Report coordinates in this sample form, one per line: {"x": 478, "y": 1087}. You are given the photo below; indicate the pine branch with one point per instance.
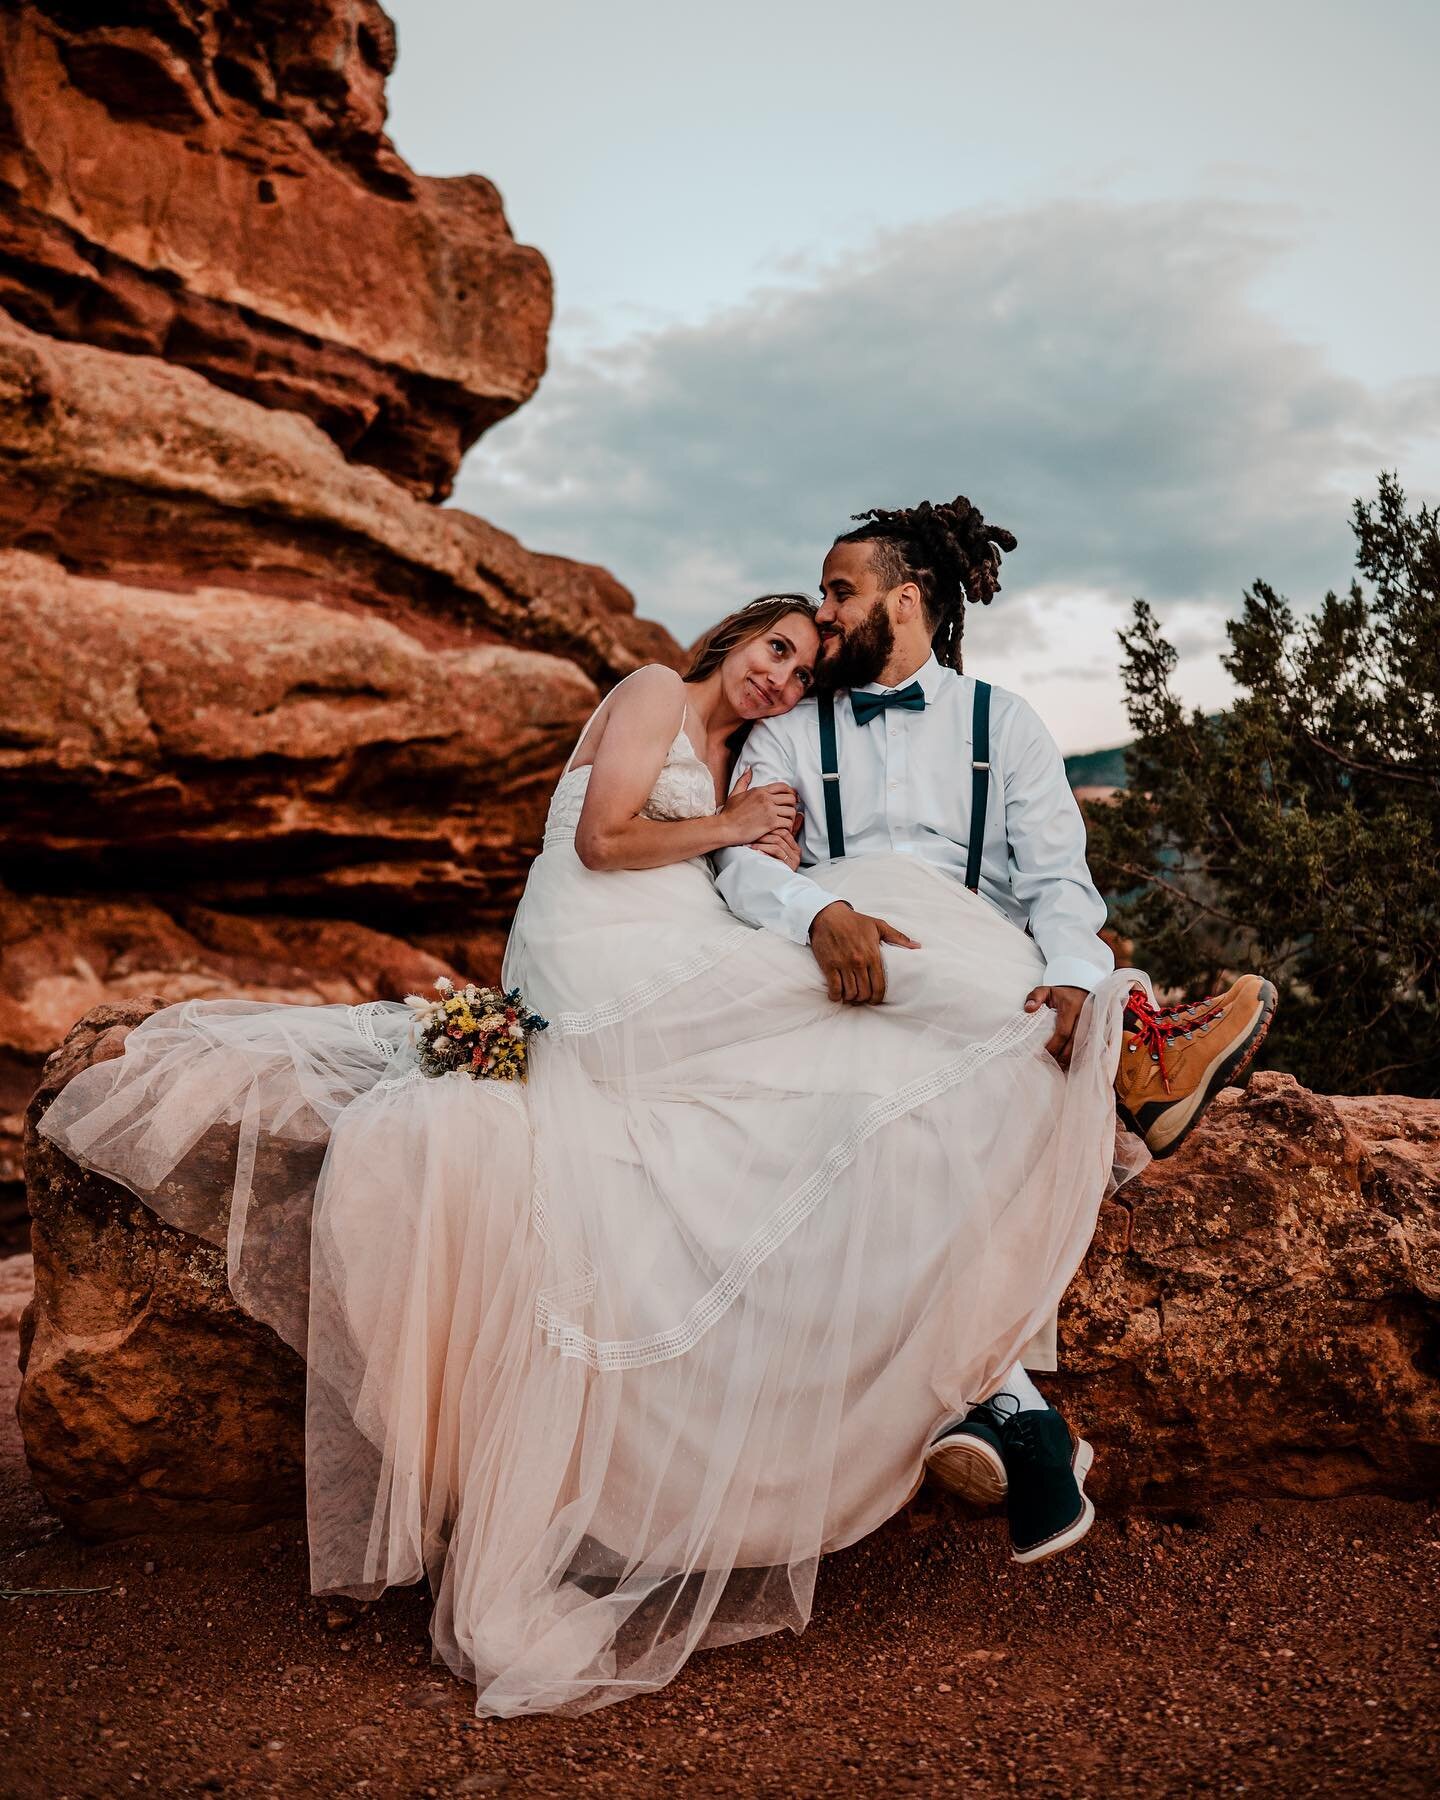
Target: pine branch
{"x": 1390, "y": 771}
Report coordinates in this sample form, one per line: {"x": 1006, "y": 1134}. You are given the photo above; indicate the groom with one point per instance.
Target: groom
{"x": 903, "y": 754}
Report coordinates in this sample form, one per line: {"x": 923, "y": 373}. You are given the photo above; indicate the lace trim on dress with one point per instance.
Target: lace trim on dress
{"x": 578, "y": 1289}
{"x": 362, "y": 1018}
{"x": 398, "y": 1081}
{"x": 663, "y": 1346}
{"x": 623, "y": 1006}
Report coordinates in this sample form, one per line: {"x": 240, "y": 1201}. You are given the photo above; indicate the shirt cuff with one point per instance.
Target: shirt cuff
{"x": 802, "y": 914}
{"x": 1074, "y": 971}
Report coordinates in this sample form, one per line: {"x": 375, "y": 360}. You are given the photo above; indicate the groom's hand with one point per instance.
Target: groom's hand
{"x": 1067, "y": 1002}
{"x": 846, "y": 945}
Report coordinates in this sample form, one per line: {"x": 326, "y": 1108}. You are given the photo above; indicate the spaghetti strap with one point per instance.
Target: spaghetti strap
{"x": 585, "y": 728}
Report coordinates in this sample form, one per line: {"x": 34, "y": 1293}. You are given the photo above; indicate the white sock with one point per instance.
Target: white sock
{"x": 1018, "y": 1383}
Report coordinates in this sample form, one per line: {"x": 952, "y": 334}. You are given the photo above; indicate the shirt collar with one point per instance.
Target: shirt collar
{"x": 930, "y": 676}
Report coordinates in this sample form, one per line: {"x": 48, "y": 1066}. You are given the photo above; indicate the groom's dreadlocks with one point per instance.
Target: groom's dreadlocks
{"x": 948, "y": 551}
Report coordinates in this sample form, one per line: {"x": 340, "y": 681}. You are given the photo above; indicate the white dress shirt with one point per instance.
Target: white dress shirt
{"x": 905, "y": 783}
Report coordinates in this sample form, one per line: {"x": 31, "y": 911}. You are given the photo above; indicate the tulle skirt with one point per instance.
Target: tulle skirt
{"x": 613, "y": 1358}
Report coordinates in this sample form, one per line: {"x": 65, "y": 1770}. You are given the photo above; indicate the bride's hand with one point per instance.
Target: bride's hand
{"x": 782, "y": 846}
{"x": 751, "y": 813}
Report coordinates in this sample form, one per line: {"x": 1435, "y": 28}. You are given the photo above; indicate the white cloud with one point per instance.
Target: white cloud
{"x": 1094, "y": 375}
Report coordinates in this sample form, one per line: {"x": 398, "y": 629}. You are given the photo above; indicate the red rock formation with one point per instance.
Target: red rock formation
{"x": 273, "y": 722}
{"x": 1259, "y": 1317}
{"x": 127, "y": 467}
{"x": 199, "y": 1412}
{"x": 211, "y": 184}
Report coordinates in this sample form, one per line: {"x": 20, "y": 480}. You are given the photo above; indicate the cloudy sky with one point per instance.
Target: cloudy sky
{"x": 1155, "y": 287}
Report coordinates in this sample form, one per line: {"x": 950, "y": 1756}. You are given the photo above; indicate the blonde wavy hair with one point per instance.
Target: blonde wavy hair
{"x": 736, "y": 628}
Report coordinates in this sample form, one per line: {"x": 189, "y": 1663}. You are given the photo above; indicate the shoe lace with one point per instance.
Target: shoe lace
{"x": 1001, "y": 1415}
{"x": 1154, "y": 1026}
{"x": 1020, "y": 1434}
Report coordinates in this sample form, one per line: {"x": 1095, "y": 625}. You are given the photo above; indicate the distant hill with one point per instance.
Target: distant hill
{"x": 1097, "y": 768}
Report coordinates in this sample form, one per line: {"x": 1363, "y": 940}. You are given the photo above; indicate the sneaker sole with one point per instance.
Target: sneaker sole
{"x": 1072, "y": 1534}
{"x": 969, "y": 1467}
{"x": 1176, "y": 1123}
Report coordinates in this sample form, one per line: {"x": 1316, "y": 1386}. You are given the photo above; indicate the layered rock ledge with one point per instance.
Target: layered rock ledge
{"x": 272, "y": 722}
{"x": 1260, "y": 1317}
{"x": 210, "y": 184}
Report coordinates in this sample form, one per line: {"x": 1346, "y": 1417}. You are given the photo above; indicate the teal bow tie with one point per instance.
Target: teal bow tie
{"x": 869, "y": 706}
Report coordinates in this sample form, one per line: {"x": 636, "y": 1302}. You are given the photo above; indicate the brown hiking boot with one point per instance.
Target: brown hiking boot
{"x": 1177, "y": 1058}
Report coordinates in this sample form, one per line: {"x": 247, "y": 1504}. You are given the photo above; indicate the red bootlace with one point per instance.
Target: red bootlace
{"x": 1155, "y": 1026}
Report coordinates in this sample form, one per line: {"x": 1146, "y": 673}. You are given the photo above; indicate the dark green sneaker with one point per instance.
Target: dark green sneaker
{"x": 966, "y": 1455}
{"x": 1045, "y": 1466}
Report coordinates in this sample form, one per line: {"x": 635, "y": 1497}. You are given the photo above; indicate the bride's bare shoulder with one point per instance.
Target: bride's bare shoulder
{"x": 653, "y": 691}
{"x": 656, "y": 678}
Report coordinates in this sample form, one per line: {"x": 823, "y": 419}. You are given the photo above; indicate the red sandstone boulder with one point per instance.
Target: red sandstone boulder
{"x": 149, "y": 1397}
{"x": 274, "y": 721}
{"x": 129, "y": 469}
{"x": 1261, "y": 1314}
{"x": 236, "y": 746}
{"x": 1260, "y": 1317}
{"x": 64, "y": 955}
{"x": 210, "y": 184}
{"x": 240, "y": 673}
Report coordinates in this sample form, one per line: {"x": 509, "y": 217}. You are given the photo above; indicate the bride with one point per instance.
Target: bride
{"x": 613, "y": 1358}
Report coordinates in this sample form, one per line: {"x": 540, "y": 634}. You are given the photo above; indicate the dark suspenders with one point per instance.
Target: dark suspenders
{"x": 979, "y": 783}
{"x": 830, "y": 777}
{"x": 979, "y": 780}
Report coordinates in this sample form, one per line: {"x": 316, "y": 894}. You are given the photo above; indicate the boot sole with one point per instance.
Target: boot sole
{"x": 1176, "y": 1123}
{"x": 1072, "y": 1534}
{"x": 969, "y": 1467}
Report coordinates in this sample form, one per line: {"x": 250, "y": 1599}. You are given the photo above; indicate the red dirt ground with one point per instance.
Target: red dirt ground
{"x": 1260, "y": 1649}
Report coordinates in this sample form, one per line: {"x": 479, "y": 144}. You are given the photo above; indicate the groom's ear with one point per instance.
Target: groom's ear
{"x": 909, "y": 602}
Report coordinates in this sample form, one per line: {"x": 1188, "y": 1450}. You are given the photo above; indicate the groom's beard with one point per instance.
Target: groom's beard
{"x": 863, "y": 653}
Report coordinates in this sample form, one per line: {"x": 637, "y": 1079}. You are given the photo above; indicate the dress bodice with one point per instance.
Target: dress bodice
{"x": 684, "y": 789}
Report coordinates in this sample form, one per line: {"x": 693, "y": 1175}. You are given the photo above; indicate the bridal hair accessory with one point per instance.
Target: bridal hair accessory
{"x": 482, "y": 1032}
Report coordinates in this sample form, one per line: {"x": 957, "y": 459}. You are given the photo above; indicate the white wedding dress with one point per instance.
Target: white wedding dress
{"x": 614, "y": 1357}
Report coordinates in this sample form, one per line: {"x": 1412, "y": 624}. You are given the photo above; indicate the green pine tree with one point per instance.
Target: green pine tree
{"x": 1298, "y": 831}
